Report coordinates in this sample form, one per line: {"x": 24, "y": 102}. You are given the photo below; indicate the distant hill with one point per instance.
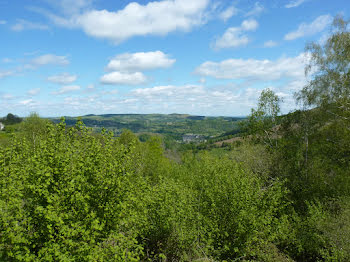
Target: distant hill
{"x": 175, "y": 125}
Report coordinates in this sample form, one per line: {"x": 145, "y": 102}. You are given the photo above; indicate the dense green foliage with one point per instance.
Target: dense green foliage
{"x": 72, "y": 195}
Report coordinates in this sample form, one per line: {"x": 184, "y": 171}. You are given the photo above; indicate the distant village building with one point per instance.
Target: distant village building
{"x": 188, "y": 138}
{"x": 2, "y": 126}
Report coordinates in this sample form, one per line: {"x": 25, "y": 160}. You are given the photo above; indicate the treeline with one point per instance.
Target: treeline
{"x": 10, "y": 119}
{"x": 173, "y": 126}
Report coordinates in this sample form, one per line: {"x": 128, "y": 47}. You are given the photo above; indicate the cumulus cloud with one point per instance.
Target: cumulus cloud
{"x": 228, "y": 13}
{"x": 120, "y": 78}
{"x": 135, "y": 19}
{"x": 235, "y": 36}
{"x": 3, "y": 22}
{"x": 294, "y": 3}
{"x": 27, "y": 25}
{"x": 249, "y": 25}
{"x": 140, "y": 61}
{"x": 270, "y": 43}
{"x": 304, "y": 29}
{"x": 154, "y": 18}
{"x": 63, "y": 79}
{"x": 253, "y": 69}
{"x": 50, "y": 59}
{"x": 127, "y": 69}
{"x": 67, "y": 89}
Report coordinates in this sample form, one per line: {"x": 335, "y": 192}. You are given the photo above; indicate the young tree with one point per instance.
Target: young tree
{"x": 33, "y": 127}
{"x": 262, "y": 120}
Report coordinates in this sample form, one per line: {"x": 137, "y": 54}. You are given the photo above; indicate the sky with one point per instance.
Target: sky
{"x": 199, "y": 57}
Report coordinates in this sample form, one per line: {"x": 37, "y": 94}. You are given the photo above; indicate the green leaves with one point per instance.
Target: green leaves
{"x": 62, "y": 197}
{"x": 328, "y": 68}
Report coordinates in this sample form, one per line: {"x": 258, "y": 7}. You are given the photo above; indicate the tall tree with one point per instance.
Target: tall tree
{"x": 329, "y": 90}
{"x": 315, "y": 150}
{"x": 329, "y": 70}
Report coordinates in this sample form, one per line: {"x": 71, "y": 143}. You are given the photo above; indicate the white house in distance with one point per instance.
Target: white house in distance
{"x": 2, "y": 126}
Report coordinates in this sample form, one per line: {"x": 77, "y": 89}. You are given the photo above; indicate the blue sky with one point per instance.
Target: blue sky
{"x": 202, "y": 57}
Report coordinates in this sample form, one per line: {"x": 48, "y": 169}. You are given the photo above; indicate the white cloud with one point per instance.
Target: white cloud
{"x": 318, "y": 25}
{"x": 140, "y": 61}
{"x": 126, "y": 69}
{"x": 3, "y": 22}
{"x": 26, "y": 102}
{"x": 253, "y": 69}
{"x": 249, "y": 25}
{"x": 228, "y": 13}
{"x": 67, "y": 89}
{"x": 257, "y": 10}
{"x": 294, "y": 3}
{"x": 270, "y": 43}
{"x": 154, "y": 18}
{"x": 64, "y": 20}
{"x": 33, "y": 92}
{"x": 235, "y": 37}
{"x": 50, "y": 59}
{"x": 194, "y": 99}
{"x": 6, "y": 73}
{"x": 27, "y": 25}
{"x": 169, "y": 90}
{"x": 119, "y": 78}
{"x": 63, "y": 79}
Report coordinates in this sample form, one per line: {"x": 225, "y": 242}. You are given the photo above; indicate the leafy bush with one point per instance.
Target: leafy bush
{"x": 67, "y": 198}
